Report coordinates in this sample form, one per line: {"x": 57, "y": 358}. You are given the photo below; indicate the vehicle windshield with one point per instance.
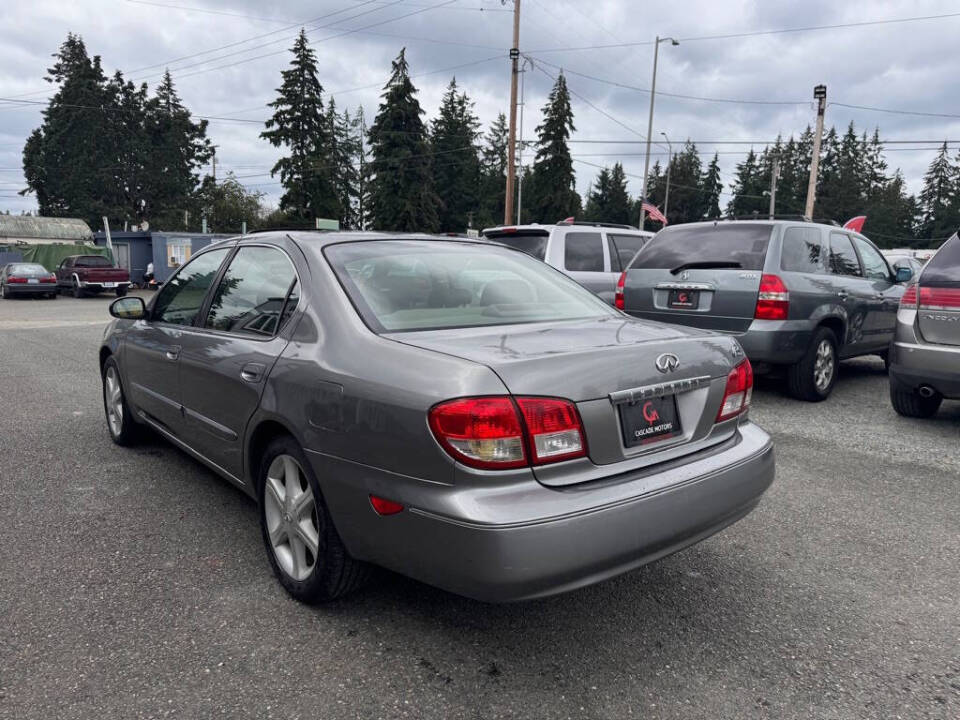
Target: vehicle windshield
{"x": 428, "y": 285}
{"x": 28, "y": 270}
{"x": 716, "y": 246}
{"x": 92, "y": 261}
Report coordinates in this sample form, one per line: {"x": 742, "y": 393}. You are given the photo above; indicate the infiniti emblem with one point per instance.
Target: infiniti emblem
{"x": 668, "y": 362}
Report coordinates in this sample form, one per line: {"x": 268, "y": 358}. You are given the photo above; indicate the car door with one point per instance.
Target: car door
{"x": 881, "y": 321}
{"x": 225, "y": 359}
{"x": 853, "y": 291}
{"x": 152, "y": 346}
{"x": 585, "y": 259}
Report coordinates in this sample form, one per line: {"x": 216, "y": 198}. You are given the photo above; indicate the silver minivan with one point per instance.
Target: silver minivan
{"x": 594, "y": 254}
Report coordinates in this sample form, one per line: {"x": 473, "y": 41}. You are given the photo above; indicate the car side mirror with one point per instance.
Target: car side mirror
{"x": 904, "y": 274}
{"x": 128, "y": 308}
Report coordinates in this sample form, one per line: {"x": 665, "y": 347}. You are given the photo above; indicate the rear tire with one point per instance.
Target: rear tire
{"x": 77, "y": 290}
{"x": 302, "y": 544}
{"x": 121, "y": 291}
{"x": 52, "y": 296}
{"x": 4, "y": 293}
{"x": 911, "y": 404}
{"x": 812, "y": 379}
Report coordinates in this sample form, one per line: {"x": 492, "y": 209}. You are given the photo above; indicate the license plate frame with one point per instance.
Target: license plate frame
{"x": 109, "y": 285}
{"x": 682, "y": 299}
{"x": 650, "y": 421}
{"x": 33, "y": 281}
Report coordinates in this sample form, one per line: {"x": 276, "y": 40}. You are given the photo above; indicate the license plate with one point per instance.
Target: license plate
{"x": 109, "y": 285}
{"x": 650, "y": 420}
{"x": 684, "y": 299}
{"x": 33, "y": 281}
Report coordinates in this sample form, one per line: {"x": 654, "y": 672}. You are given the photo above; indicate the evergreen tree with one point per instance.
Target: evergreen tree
{"x": 686, "y": 202}
{"x": 747, "y": 189}
{"x": 361, "y": 162}
{"x": 618, "y": 200}
{"x": 343, "y": 173}
{"x": 456, "y": 160}
{"x": 553, "y": 193}
{"x": 493, "y": 172}
{"x": 939, "y": 201}
{"x": 127, "y": 189}
{"x": 711, "y": 187}
{"x": 656, "y": 193}
{"x": 227, "y": 205}
{"x": 598, "y": 198}
{"x": 300, "y": 126}
{"x": 401, "y": 191}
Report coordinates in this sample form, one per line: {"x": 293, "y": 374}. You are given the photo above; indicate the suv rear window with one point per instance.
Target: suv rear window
{"x": 532, "y": 243}
{"x": 742, "y": 243}
{"x": 944, "y": 267}
{"x": 803, "y": 250}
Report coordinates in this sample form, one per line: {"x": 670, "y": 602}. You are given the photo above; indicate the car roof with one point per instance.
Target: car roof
{"x": 574, "y": 225}
{"x": 322, "y": 238}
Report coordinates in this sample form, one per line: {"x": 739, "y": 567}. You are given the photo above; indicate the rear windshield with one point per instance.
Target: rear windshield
{"x": 944, "y": 268}
{"x": 28, "y": 270}
{"x": 92, "y": 261}
{"x": 423, "y": 285}
{"x": 673, "y": 247}
{"x": 532, "y": 243}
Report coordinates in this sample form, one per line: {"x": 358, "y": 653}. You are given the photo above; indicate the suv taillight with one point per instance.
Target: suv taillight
{"x": 932, "y": 298}
{"x": 773, "y": 301}
{"x": 909, "y": 298}
{"x": 737, "y": 394}
{"x": 501, "y": 432}
{"x": 618, "y": 295}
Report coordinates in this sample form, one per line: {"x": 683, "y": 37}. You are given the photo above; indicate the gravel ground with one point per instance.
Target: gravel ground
{"x": 133, "y": 583}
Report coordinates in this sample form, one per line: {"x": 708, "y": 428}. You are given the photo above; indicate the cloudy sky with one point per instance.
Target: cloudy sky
{"x": 226, "y": 56}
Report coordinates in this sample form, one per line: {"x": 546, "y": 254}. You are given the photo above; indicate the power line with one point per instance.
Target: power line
{"x": 896, "y": 112}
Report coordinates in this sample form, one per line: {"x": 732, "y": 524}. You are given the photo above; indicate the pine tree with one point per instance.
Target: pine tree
{"x": 618, "y": 202}
{"x": 939, "y": 199}
{"x": 656, "y": 193}
{"x": 598, "y": 198}
{"x": 493, "y": 171}
{"x": 343, "y": 174}
{"x": 456, "y": 165}
{"x": 401, "y": 192}
{"x": 686, "y": 199}
{"x": 747, "y": 189}
{"x": 711, "y": 186}
{"x": 361, "y": 161}
{"x": 553, "y": 193}
{"x": 300, "y": 126}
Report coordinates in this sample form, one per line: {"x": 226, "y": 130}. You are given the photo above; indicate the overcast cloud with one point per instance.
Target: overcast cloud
{"x": 906, "y": 66}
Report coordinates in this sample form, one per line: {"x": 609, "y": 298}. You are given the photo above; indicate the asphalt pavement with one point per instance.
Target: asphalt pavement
{"x": 134, "y": 584}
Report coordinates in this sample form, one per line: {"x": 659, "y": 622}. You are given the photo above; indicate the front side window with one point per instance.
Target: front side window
{"x": 251, "y": 295}
{"x": 803, "y": 250}
{"x": 843, "y": 259}
{"x": 874, "y": 266}
{"x": 180, "y": 299}
{"x": 427, "y": 285}
{"x": 622, "y": 249}
{"x": 583, "y": 252}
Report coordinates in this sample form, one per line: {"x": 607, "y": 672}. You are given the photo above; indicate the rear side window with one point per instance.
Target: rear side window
{"x": 944, "y": 268}
{"x": 531, "y": 243}
{"x": 843, "y": 259}
{"x": 874, "y": 266}
{"x": 673, "y": 247}
{"x": 583, "y": 252}
{"x": 623, "y": 248}
{"x": 251, "y": 295}
{"x": 803, "y": 250}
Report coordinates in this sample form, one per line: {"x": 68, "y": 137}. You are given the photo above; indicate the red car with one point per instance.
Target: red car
{"x": 91, "y": 274}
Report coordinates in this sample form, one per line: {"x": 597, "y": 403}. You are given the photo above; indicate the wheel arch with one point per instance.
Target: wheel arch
{"x": 263, "y": 431}
{"x": 836, "y": 325}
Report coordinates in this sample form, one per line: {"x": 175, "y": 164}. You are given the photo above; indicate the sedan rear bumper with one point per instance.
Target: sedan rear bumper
{"x": 608, "y": 527}
{"x": 28, "y": 289}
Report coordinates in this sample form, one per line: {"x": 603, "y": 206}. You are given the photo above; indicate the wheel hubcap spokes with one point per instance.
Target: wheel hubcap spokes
{"x": 291, "y": 514}
{"x": 824, "y": 366}
{"x": 114, "y": 401}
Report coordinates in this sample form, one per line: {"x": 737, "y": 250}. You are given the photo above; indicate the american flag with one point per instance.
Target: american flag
{"x": 654, "y": 213}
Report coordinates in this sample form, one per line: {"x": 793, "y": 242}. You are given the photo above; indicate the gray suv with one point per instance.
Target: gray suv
{"x": 796, "y": 294}
{"x": 925, "y": 355}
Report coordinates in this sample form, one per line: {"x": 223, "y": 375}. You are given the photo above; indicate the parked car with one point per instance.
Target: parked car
{"x": 450, "y": 409}
{"x": 795, "y": 294}
{"x": 925, "y": 355}
{"x": 27, "y": 279}
{"x": 593, "y": 254}
{"x": 91, "y": 274}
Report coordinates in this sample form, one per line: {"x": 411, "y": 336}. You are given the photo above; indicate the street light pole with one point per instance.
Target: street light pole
{"x": 653, "y": 93}
{"x": 512, "y": 134}
{"x": 666, "y": 199}
{"x": 820, "y": 95}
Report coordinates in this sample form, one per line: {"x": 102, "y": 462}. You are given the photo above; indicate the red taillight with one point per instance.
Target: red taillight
{"x": 17, "y": 280}
{"x": 739, "y": 390}
{"x": 773, "y": 302}
{"x": 49, "y": 279}
{"x": 909, "y": 299}
{"x": 554, "y": 429}
{"x": 488, "y": 433}
{"x": 939, "y": 298}
{"x": 384, "y": 506}
{"x": 618, "y": 295}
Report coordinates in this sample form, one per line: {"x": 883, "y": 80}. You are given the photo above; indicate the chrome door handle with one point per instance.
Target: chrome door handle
{"x": 252, "y": 372}
{"x": 172, "y": 353}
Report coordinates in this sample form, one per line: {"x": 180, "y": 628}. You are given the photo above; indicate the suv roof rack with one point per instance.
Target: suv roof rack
{"x": 591, "y": 223}
{"x": 779, "y": 216}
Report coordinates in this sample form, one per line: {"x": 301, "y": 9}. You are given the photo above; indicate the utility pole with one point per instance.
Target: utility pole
{"x": 774, "y": 176}
{"x": 653, "y": 93}
{"x": 820, "y": 95}
{"x": 214, "y": 158}
{"x": 666, "y": 199}
{"x": 512, "y": 137}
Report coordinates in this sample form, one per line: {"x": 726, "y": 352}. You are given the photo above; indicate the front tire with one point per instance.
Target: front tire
{"x": 911, "y": 404}
{"x": 302, "y": 544}
{"x": 812, "y": 379}
{"x": 4, "y": 293}
{"x": 120, "y": 423}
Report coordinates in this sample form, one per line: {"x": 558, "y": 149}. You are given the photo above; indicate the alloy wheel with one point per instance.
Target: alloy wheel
{"x": 290, "y": 510}
{"x": 113, "y": 396}
{"x": 824, "y": 366}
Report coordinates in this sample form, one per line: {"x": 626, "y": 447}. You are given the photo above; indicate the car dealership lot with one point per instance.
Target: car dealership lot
{"x": 133, "y": 583}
